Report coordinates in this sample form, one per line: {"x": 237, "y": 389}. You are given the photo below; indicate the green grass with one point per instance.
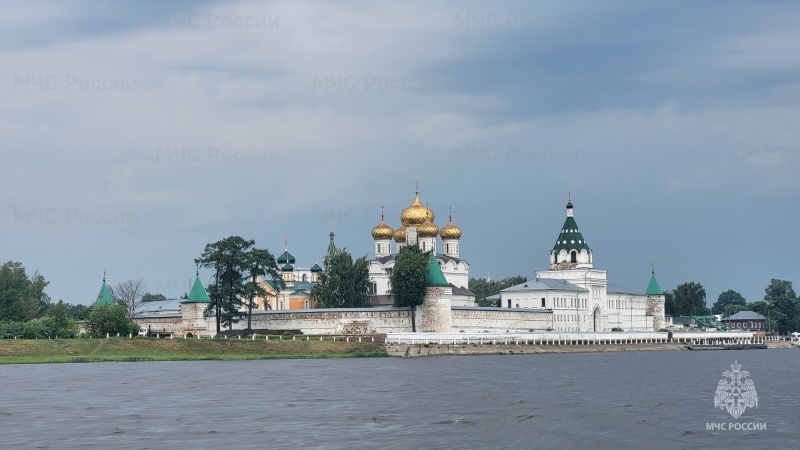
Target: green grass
{"x": 21, "y": 351}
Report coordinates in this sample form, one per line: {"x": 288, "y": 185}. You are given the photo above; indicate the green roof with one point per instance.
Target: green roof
{"x": 198, "y": 293}
{"x": 316, "y": 268}
{"x": 287, "y": 268}
{"x": 653, "y": 288}
{"x": 570, "y": 237}
{"x": 331, "y": 248}
{"x": 435, "y": 276}
{"x": 105, "y": 296}
{"x": 286, "y": 258}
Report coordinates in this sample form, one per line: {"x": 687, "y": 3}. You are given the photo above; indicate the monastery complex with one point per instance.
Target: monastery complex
{"x": 571, "y": 295}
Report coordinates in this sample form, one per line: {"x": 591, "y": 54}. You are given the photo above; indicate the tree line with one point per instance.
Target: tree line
{"x": 780, "y": 304}
{"x": 27, "y": 312}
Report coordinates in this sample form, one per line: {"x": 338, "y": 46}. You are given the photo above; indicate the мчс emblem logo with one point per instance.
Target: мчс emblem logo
{"x": 734, "y": 392}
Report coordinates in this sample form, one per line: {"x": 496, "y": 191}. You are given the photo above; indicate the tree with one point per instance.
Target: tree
{"x": 129, "y": 294}
{"x": 408, "y": 278}
{"x": 62, "y": 325}
{"x": 14, "y": 290}
{"x": 233, "y": 263}
{"x": 148, "y": 297}
{"x": 77, "y": 312}
{"x": 344, "y": 283}
{"x": 38, "y": 301}
{"x": 109, "y": 319}
{"x": 727, "y": 298}
{"x": 261, "y": 263}
{"x": 483, "y": 288}
{"x": 784, "y": 307}
{"x": 689, "y": 299}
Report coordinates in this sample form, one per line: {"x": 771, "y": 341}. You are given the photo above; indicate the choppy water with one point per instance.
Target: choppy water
{"x": 621, "y": 400}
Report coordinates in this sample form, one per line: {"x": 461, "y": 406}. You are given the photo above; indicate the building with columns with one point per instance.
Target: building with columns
{"x": 578, "y": 294}
{"x": 417, "y": 227}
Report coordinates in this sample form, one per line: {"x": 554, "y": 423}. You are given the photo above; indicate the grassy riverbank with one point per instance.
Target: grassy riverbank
{"x": 24, "y": 351}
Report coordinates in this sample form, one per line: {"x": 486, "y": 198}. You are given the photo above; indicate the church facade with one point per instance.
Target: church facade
{"x": 578, "y": 295}
{"x": 417, "y": 227}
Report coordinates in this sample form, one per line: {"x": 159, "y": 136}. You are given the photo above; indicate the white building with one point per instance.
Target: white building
{"x": 578, "y": 295}
{"x": 418, "y": 228}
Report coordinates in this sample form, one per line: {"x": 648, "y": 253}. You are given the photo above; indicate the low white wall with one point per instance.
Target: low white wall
{"x": 334, "y": 321}
{"x": 565, "y": 338}
{"x": 500, "y": 319}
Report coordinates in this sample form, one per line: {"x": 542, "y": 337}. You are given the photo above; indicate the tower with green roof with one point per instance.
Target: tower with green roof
{"x": 655, "y": 301}
{"x": 193, "y": 310}
{"x": 105, "y": 297}
{"x": 570, "y": 250}
{"x": 329, "y": 254}
{"x": 437, "y": 306}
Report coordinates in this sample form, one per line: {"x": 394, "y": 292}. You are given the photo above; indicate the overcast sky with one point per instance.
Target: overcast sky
{"x": 134, "y": 133}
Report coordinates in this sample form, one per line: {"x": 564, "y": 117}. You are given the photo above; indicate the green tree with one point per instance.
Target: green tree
{"x": 784, "y": 308}
{"x": 408, "y": 285}
{"x": 37, "y": 300}
{"x": 483, "y": 289}
{"x": 690, "y": 300}
{"x": 727, "y": 298}
{"x": 77, "y": 312}
{"x": 261, "y": 264}
{"x": 233, "y": 264}
{"x": 111, "y": 319}
{"x": 63, "y": 326}
{"x": 344, "y": 283}
{"x": 733, "y": 309}
{"x": 148, "y": 297}
{"x": 14, "y": 291}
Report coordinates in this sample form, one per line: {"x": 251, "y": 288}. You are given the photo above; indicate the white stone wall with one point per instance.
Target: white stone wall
{"x": 334, "y": 321}
{"x": 472, "y": 320}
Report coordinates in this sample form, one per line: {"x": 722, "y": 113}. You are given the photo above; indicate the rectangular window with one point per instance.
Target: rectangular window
{"x": 542, "y": 302}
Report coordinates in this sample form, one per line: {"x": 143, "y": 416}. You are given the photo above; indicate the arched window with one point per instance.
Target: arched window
{"x": 573, "y": 256}
{"x": 305, "y": 277}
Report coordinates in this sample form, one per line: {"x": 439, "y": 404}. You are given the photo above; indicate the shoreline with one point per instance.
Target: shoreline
{"x": 421, "y": 350}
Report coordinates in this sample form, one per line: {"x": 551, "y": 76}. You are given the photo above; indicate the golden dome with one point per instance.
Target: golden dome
{"x": 400, "y": 234}
{"x": 382, "y": 231}
{"x": 427, "y": 229}
{"x": 450, "y": 231}
{"x": 416, "y": 213}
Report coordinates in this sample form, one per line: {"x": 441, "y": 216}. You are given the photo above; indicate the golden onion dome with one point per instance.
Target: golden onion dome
{"x": 416, "y": 213}
{"x": 450, "y": 231}
{"x": 400, "y": 234}
{"x": 382, "y": 231}
{"x": 427, "y": 229}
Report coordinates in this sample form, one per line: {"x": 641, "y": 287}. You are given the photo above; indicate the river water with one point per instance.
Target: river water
{"x": 658, "y": 399}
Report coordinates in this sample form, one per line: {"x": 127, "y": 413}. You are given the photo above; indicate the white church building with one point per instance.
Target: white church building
{"x": 577, "y": 294}
{"x": 418, "y": 228}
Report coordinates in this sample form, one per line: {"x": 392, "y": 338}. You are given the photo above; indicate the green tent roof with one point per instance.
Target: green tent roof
{"x": 316, "y": 268}
{"x": 198, "y": 293}
{"x": 653, "y": 288}
{"x": 435, "y": 276}
{"x": 105, "y": 296}
{"x": 570, "y": 237}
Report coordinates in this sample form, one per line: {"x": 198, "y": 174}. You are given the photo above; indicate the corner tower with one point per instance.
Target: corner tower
{"x": 570, "y": 250}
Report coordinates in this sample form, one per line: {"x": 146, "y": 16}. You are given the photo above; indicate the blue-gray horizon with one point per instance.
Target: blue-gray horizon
{"x": 134, "y": 134}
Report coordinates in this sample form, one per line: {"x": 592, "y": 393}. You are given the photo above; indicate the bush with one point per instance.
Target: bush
{"x": 616, "y": 329}
{"x": 287, "y": 335}
{"x": 107, "y": 319}
{"x": 10, "y": 329}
